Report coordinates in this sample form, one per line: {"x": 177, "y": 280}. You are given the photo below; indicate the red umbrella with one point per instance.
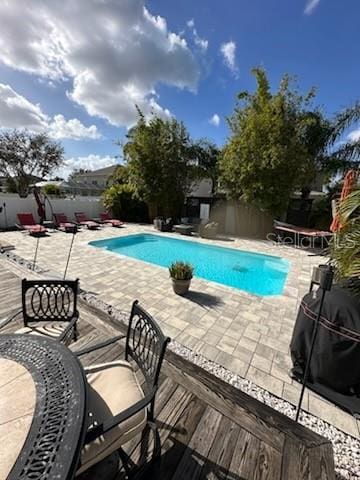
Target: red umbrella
{"x": 349, "y": 184}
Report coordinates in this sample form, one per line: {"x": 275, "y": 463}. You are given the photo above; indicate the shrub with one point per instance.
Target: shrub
{"x": 121, "y": 201}
{"x": 52, "y": 189}
{"x": 181, "y": 271}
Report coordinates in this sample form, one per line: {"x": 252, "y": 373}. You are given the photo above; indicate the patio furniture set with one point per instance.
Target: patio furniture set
{"x": 61, "y": 222}
{"x": 199, "y": 416}
{"x": 188, "y": 226}
{"x": 71, "y": 417}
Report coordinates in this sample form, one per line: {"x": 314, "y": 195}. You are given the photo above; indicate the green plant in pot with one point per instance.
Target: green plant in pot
{"x": 181, "y": 274}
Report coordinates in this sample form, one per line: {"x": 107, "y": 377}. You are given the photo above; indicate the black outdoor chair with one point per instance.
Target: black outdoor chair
{"x": 118, "y": 407}
{"x": 49, "y": 308}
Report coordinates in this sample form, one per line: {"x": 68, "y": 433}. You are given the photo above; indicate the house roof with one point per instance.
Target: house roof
{"x": 106, "y": 171}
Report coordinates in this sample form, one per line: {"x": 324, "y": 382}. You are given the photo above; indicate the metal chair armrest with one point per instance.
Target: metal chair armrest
{"x": 99, "y": 345}
{"x": 111, "y": 423}
{"x": 6, "y": 321}
{"x": 68, "y": 329}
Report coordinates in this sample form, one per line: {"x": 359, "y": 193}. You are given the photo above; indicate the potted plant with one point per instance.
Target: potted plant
{"x": 181, "y": 274}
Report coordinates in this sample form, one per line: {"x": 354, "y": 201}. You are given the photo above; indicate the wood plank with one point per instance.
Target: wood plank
{"x": 268, "y": 466}
{"x": 219, "y": 459}
{"x": 245, "y": 456}
{"x": 176, "y": 443}
{"x": 216, "y": 397}
{"x": 195, "y": 455}
{"x": 267, "y": 420}
{"x": 321, "y": 463}
{"x": 295, "y": 460}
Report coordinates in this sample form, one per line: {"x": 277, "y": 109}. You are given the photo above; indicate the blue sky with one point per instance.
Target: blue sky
{"x": 77, "y": 70}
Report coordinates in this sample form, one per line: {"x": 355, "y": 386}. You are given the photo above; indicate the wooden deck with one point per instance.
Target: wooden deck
{"x": 208, "y": 429}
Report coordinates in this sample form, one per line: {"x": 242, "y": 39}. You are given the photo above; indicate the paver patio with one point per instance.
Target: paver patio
{"x": 248, "y": 334}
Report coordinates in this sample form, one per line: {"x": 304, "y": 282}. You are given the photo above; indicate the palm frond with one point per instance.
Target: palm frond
{"x": 347, "y": 154}
{"x": 350, "y": 206}
{"x": 344, "y": 120}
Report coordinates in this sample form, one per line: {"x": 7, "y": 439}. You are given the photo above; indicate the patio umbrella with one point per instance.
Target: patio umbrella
{"x": 349, "y": 184}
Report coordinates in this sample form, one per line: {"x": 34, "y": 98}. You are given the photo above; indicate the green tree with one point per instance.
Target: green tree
{"x": 346, "y": 152}
{"x": 24, "y": 155}
{"x": 277, "y": 143}
{"x": 206, "y": 156}
{"x": 159, "y": 157}
{"x": 121, "y": 197}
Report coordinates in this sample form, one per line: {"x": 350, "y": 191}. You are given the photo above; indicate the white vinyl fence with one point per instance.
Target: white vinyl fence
{"x": 11, "y": 204}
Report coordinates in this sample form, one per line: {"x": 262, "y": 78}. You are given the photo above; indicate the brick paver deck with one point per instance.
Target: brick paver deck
{"x": 248, "y": 334}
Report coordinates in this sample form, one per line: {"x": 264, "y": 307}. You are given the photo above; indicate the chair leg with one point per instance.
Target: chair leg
{"x": 129, "y": 466}
{"x": 157, "y": 443}
{"x": 75, "y": 333}
{"x": 131, "y": 469}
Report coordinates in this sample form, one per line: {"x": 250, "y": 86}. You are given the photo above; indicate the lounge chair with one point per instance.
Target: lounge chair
{"x": 119, "y": 407}
{"x": 49, "y": 308}
{"x": 27, "y": 222}
{"x": 105, "y": 218}
{"x": 209, "y": 230}
{"x": 63, "y": 224}
{"x": 82, "y": 219}
{"x": 298, "y": 232}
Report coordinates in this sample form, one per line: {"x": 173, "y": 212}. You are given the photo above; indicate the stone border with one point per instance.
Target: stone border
{"x": 22, "y": 262}
{"x": 346, "y": 448}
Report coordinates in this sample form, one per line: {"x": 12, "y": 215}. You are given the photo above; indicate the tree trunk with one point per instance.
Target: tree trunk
{"x": 23, "y": 187}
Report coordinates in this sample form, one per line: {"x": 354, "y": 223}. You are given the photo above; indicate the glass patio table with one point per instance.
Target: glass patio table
{"x": 43, "y": 399}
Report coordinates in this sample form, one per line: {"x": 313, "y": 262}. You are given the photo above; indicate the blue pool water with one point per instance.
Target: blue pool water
{"x": 252, "y": 272}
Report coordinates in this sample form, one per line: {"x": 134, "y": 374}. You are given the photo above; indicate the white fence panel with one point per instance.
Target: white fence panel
{"x": 12, "y": 204}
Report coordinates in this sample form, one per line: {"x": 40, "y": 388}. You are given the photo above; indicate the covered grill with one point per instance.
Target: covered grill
{"x": 335, "y": 364}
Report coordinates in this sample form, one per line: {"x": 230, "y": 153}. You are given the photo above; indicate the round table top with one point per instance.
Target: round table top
{"x": 42, "y": 408}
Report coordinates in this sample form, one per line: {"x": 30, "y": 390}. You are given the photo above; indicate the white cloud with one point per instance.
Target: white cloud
{"x": 311, "y": 6}
{"x": 354, "y": 136}
{"x": 215, "y": 120}
{"x": 114, "y": 53}
{"x": 90, "y": 162}
{"x": 201, "y": 43}
{"x": 228, "y": 51}
{"x": 18, "y": 112}
{"x": 74, "y": 129}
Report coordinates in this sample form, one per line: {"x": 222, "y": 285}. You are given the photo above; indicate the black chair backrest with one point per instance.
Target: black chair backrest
{"x": 49, "y": 300}
{"x": 146, "y": 344}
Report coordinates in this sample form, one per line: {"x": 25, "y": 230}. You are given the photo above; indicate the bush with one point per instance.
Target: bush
{"x": 181, "y": 271}
{"x": 52, "y": 189}
{"x": 121, "y": 201}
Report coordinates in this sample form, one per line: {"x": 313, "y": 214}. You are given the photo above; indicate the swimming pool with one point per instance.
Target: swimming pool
{"x": 253, "y": 272}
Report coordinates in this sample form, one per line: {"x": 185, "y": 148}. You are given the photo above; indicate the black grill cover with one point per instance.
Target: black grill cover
{"x": 335, "y": 364}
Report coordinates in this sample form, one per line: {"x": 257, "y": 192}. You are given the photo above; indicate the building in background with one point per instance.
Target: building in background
{"x": 95, "y": 180}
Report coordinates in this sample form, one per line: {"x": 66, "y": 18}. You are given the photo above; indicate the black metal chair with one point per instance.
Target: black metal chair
{"x": 49, "y": 308}
{"x": 119, "y": 409}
